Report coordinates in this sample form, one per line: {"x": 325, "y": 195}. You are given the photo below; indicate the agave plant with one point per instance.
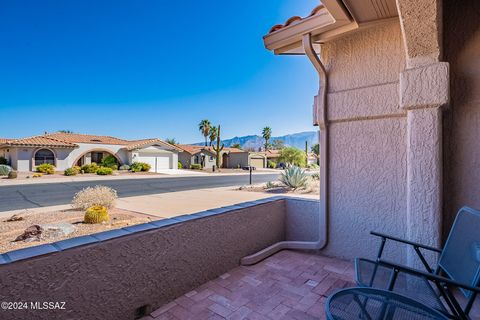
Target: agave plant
{"x": 294, "y": 177}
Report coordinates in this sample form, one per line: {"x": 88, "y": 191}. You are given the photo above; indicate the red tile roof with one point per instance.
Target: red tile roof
{"x": 40, "y": 141}
{"x": 86, "y": 138}
{"x": 296, "y": 19}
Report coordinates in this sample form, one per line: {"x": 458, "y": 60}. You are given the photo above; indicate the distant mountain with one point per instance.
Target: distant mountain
{"x": 254, "y": 142}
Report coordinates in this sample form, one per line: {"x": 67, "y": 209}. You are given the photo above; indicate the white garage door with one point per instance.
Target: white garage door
{"x": 157, "y": 162}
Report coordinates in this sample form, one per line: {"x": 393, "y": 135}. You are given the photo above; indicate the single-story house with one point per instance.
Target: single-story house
{"x": 65, "y": 150}
{"x": 231, "y": 157}
{"x": 196, "y": 155}
{"x": 242, "y": 158}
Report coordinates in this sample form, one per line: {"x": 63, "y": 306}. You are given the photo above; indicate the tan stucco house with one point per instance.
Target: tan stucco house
{"x": 231, "y": 157}
{"x": 65, "y": 150}
{"x": 398, "y": 109}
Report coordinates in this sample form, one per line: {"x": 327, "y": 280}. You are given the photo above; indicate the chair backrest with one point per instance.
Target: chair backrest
{"x": 460, "y": 258}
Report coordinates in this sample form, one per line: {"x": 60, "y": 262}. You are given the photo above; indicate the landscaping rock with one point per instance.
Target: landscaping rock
{"x": 31, "y": 233}
{"x": 15, "y": 217}
{"x": 56, "y": 230}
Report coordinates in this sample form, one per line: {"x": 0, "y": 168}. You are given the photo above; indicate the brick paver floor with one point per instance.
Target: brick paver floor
{"x": 287, "y": 285}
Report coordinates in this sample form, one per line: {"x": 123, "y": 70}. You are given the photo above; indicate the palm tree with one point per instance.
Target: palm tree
{"x": 171, "y": 141}
{"x": 204, "y": 126}
{"x": 267, "y": 134}
{"x": 213, "y": 134}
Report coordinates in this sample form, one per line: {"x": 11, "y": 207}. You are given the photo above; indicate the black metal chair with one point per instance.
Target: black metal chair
{"x": 458, "y": 267}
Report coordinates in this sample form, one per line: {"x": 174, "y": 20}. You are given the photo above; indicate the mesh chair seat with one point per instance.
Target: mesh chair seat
{"x": 369, "y": 303}
{"x": 369, "y": 274}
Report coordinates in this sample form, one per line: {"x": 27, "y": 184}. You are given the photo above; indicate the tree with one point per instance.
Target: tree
{"x": 316, "y": 149}
{"x": 65, "y": 131}
{"x": 236, "y": 145}
{"x": 171, "y": 141}
{"x": 293, "y": 156}
{"x": 267, "y": 134}
{"x": 278, "y": 144}
{"x": 204, "y": 127}
{"x": 213, "y": 134}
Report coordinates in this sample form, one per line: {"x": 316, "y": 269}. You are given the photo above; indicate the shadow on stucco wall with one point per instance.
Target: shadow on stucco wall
{"x": 461, "y": 42}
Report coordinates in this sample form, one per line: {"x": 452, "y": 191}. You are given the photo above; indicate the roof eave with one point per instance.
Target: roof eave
{"x": 334, "y": 20}
{"x": 34, "y": 145}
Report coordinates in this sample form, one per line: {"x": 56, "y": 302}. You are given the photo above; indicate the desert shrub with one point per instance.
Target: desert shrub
{"x": 271, "y": 164}
{"x": 70, "y": 172}
{"x": 90, "y": 168}
{"x": 316, "y": 176}
{"x": 136, "y": 167}
{"x": 37, "y": 175}
{"x": 46, "y": 168}
{"x": 196, "y": 166}
{"x": 104, "y": 171}
{"x": 96, "y": 214}
{"x": 140, "y": 166}
{"x": 145, "y": 166}
{"x": 109, "y": 162}
{"x": 313, "y": 166}
{"x": 294, "y": 177}
{"x": 12, "y": 174}
{"x": 124, "y": 167}
{"x": 180, "y": 166}
{"x": 5, "y": 170}
{"x": 270, "y": 185}
{"x": 3, "y": 160}
{"x": 94, "y": 196}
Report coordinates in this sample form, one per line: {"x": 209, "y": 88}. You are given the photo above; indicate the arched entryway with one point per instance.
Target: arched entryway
{"x": 44, "y": 155}
{"x": 95, "y": 155}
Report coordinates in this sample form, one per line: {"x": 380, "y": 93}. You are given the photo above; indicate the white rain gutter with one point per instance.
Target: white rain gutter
{"x": 320, "y": 115}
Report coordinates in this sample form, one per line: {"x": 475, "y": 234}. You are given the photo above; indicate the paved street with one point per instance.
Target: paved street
{"x": 40, "y": 195}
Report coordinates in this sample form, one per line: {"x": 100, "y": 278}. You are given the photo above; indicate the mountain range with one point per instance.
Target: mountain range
{"x": 255, "y": 142}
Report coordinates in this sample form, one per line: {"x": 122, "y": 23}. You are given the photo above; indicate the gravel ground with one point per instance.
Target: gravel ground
{"x": 10, "y": 230}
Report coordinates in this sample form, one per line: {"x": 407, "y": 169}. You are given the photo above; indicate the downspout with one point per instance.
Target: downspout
{"x": 320, "y": 115}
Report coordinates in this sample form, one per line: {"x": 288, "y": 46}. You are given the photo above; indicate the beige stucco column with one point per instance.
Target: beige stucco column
{"x": 424, "y": 90}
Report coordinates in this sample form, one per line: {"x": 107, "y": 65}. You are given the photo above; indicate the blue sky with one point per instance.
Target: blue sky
{"x": 150, "y": 68}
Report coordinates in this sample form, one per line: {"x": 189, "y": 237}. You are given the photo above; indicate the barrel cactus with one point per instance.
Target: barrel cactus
{"x": 5, "y": 170}
{"x": 12, "y": 174}
{"x": 96, "y": 214}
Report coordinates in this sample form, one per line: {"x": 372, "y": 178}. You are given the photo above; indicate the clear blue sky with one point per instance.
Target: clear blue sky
{"x": 150, "y": 68}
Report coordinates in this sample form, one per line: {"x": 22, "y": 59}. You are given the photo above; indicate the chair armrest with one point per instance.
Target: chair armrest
{"x": 415, "y": 244}
{"x": 428, "y": 276}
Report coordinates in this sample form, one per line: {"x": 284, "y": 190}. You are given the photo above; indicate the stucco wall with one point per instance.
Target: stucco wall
{"x": 367, "y": 140}
{"x": 110, "y": 279}
{"x": 186, "y": 159}
{"x": 462, "y": 118}
{"x": 238, "y": 160}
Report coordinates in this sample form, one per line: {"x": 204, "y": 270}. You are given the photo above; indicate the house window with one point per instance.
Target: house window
{"x": 211, "y": 158}
{"x": 44, "y": 156}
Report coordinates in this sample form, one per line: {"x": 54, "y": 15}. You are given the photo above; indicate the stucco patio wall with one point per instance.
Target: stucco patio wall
{"x": 111, "y": 274}
{"x": 368, "y": 140}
